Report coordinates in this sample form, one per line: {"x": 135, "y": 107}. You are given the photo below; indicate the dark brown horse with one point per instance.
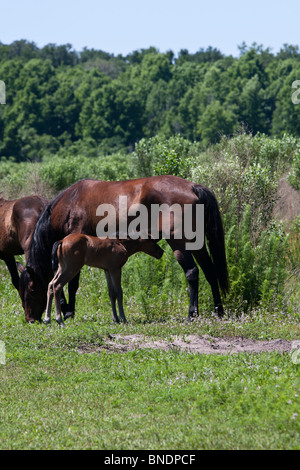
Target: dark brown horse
{"x": 17, "y": 222}
{"x": 76, "y": 250}
{"x": 76, "y": 209}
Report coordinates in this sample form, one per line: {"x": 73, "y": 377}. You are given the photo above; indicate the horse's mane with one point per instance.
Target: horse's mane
{"x": 43, "y": 237}
{"x": 42, "y": 240}
{"x": 40, "y": 251}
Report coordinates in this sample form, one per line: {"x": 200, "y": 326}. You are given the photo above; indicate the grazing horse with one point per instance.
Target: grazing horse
{"x": 76, "y": 209}
{"x": 76, "y": 250}
{"x": 17, "y": 222}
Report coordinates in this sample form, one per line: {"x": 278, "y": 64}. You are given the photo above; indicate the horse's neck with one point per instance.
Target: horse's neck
{"x": 40, "y": 254}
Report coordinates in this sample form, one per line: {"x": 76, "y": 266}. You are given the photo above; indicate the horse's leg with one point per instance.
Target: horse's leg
{"x": 56, "y": 286}
{"x": 12, "y": 267}
{"x": 112, "y": 296}
{"x": 57, "y": 293}
{"x": 50, "y": 294}
{"x": 69, "y": 309}
{"x": 116, "y": 281}
{"x": 202, "y": 257}
{"x": 186, "y": 261}
{"x": 64, "y": 304}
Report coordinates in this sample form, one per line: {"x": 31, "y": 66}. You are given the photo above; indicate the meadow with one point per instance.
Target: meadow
{"x": 64, "y": 388}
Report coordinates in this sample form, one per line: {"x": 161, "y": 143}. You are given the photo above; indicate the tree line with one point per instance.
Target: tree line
{"x": 57, "y": 97}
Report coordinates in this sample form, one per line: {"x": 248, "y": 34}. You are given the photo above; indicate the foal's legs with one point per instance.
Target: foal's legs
{"x": 54, "y": 289}
{"x": 57, "y": 293}
{"x": 186, "y": 261}
{"x": 50, "y": 294}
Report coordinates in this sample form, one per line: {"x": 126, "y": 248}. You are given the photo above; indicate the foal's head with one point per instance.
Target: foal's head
{"x": 147, "y": 245}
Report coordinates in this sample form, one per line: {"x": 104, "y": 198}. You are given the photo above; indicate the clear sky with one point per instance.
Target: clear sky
{"x": 122, "y": 26}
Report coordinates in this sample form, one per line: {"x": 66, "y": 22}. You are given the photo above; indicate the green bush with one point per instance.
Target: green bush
{"x": 158, "y": 156}
{"x": 60, "y": 172}
{"x": 294, "y": 174}
{"x": 244, "y": 173}
{"x": 257, "y": 271}
{"x": 16, "y": 178}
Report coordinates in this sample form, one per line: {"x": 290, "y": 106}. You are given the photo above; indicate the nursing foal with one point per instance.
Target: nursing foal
{"x": 76, "y": 250}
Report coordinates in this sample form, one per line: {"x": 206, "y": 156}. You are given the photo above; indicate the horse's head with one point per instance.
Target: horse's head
{"x": 150, "y": 247}
{"x": 32, "y": 293}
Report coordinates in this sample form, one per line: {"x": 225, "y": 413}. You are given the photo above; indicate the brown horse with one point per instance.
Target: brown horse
{"x": 76, "y": 209}
{"x": 17, "y": 222}
{"x": 76, "y": 250}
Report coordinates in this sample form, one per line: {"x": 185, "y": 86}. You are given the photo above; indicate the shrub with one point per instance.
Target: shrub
{"x": 60, "y": 172}
{"x": 21, "y": 179}
{"x": 244, "y": 173}
{"x": 294, "y": 174}
{"x": 157, "y": 156}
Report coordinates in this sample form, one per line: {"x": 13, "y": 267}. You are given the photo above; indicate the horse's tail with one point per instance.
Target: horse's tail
{"x": 215, "y": 233}
{"x": 54, "y": 255}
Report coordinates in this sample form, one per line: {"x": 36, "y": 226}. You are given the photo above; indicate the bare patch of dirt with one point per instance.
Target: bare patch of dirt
{"x": 191, "y": 343}
{"x": 287, "y": 206}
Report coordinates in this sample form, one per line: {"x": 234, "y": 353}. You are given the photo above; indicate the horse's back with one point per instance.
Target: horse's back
{"x": 26, "y": 213}
{"x": 8, "y": 243}
{"x": 17, "y": 222}
{"x": 75, "y": 208}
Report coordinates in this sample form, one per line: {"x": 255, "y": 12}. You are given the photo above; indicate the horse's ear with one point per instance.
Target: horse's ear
{"x": 20, "y": 267}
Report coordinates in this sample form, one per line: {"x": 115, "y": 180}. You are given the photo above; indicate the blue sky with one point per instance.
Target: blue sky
{"x": 122, "y": 26}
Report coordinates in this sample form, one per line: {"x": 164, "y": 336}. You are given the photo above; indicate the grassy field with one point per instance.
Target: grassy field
{"x": 60, "y": 390}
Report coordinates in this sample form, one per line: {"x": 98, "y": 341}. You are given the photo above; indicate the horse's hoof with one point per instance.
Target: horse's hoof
{"x": 46, "y": 322}
{"x": 219, "y": 310}
{"x": 192, "y": 316}
{"x": 69, "y": 315}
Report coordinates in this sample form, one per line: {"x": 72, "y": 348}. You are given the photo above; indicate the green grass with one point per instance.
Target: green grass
{"x": 58, "y": 399}
{"x": 53, "y": 395}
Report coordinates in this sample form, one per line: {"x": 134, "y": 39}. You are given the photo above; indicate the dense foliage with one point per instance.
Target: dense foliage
{"x": 57, "y": 97}
{"x": 243, "y": 171}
